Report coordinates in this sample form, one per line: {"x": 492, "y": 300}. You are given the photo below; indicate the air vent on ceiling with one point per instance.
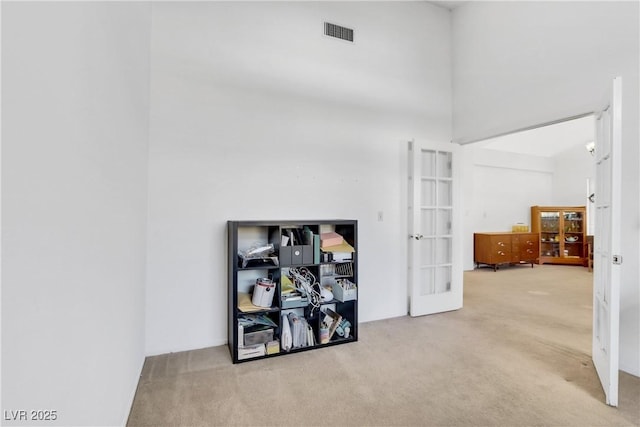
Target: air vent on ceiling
{"x": 333, "y": 30}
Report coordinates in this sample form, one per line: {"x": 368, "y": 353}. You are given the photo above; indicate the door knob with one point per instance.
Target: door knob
{"x": 416, "y": 236}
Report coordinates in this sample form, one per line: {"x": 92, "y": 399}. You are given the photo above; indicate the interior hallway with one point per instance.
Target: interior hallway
{"x": 517, "y": 354}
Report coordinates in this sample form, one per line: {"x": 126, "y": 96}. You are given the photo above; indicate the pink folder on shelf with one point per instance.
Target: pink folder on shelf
{"x": 330, "y": 239}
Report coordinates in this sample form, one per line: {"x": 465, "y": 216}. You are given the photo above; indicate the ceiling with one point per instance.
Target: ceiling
{"x": 547, "y": 141}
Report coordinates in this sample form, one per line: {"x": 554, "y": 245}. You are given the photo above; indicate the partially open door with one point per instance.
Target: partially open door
{"x": 607, "y": 257}
{"x": 435, "y": 245}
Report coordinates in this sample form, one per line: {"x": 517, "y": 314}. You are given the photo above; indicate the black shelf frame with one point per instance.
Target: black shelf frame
{"x": 346, "y": 227}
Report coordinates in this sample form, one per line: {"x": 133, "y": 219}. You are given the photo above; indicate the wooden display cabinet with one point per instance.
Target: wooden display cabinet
{"x": 563, "y": 234}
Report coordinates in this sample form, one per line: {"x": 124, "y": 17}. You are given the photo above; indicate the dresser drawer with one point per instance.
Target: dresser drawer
{"x": 526, "y": 246}
{"x": 500, "y": 249}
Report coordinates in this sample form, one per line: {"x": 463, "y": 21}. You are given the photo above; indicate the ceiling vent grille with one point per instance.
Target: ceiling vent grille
{"x": 333, "y": 30}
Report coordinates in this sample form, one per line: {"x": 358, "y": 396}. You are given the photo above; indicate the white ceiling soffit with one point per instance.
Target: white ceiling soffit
{"x": 546, "y": 141}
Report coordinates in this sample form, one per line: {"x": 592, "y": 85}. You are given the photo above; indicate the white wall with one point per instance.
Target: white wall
{"x": 499, "y": 189}
{"x": 255, "y": 114}
{"x": 574, "y": 181}
{"x": 572, "y": 169}
{"x": 75, "y": 80}
{"x": 516, "y": 64}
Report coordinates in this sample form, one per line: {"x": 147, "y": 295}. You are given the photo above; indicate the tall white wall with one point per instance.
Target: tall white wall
{"x": 517, "y": 64}
{"x": 75, "y": 79}
{"x": 572, "y": 169}
{"x": 255, "y": 114}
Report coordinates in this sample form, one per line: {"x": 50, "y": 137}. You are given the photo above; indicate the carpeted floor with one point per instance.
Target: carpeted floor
{"x": 517, "y": 354}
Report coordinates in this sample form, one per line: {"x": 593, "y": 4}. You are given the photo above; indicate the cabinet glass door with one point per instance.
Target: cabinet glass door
{"x": 573, "y": 235}
{"x": 550, "y": 234}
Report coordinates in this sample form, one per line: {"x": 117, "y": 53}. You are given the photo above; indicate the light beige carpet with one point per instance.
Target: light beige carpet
{"x": 517, "y": 354}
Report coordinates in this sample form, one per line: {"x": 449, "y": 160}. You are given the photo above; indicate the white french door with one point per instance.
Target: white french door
{"x": 435, "y": 244}
{"x": 606, "y": 257}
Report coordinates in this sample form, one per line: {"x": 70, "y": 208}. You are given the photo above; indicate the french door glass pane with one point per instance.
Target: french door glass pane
{"x": 443, "y": 279}
{"x": 605, "y": 265}
{"x": 444, "y": 222}
{"x": 444, "y": 164}
{"x": 444, "y": 193}
{"x": 596, "y": 328}
{"x": 428, "y": 222}
{"x": 428, "y": 160}
{"x": 443, "y": 251}
{"x": 428, "y": 196}
{"x": 428, "y": 251}
{"x": 427, "y": 281}
{"x": 604, "y": 327}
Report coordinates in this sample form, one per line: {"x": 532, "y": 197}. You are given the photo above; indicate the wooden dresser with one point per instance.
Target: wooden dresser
{"x": 498, "y": 248}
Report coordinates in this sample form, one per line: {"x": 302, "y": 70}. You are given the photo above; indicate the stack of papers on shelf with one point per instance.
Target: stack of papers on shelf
{"x": 247, "y": 320}
{"x": 245, "y": 305}
{"x": 251, "y": 351}
{"x": 330, "y": 238}
{"x": 290, "y": 297}
{"x": 286, "y": 285}
{"x": 285, "y": 334}
{"x": 294, "y": 301}
{"x": 342, "y": 252}
{"x": 298, "y": 330}
{"x": 342, "y": 256}
{"x": 342, "y": 247}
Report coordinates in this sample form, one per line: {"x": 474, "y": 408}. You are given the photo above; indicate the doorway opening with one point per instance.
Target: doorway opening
{"x": 505, "y": 176}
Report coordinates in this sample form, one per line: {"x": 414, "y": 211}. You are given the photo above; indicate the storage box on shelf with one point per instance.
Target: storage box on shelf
{"x": 562, "y": 233}
{"x": 288, "y": 259}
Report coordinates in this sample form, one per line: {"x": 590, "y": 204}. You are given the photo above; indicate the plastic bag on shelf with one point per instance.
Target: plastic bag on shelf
{"x": 259, "y": 253}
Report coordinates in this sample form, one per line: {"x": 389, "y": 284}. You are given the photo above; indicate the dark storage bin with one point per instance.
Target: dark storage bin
{"x": 285, "y": 255}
